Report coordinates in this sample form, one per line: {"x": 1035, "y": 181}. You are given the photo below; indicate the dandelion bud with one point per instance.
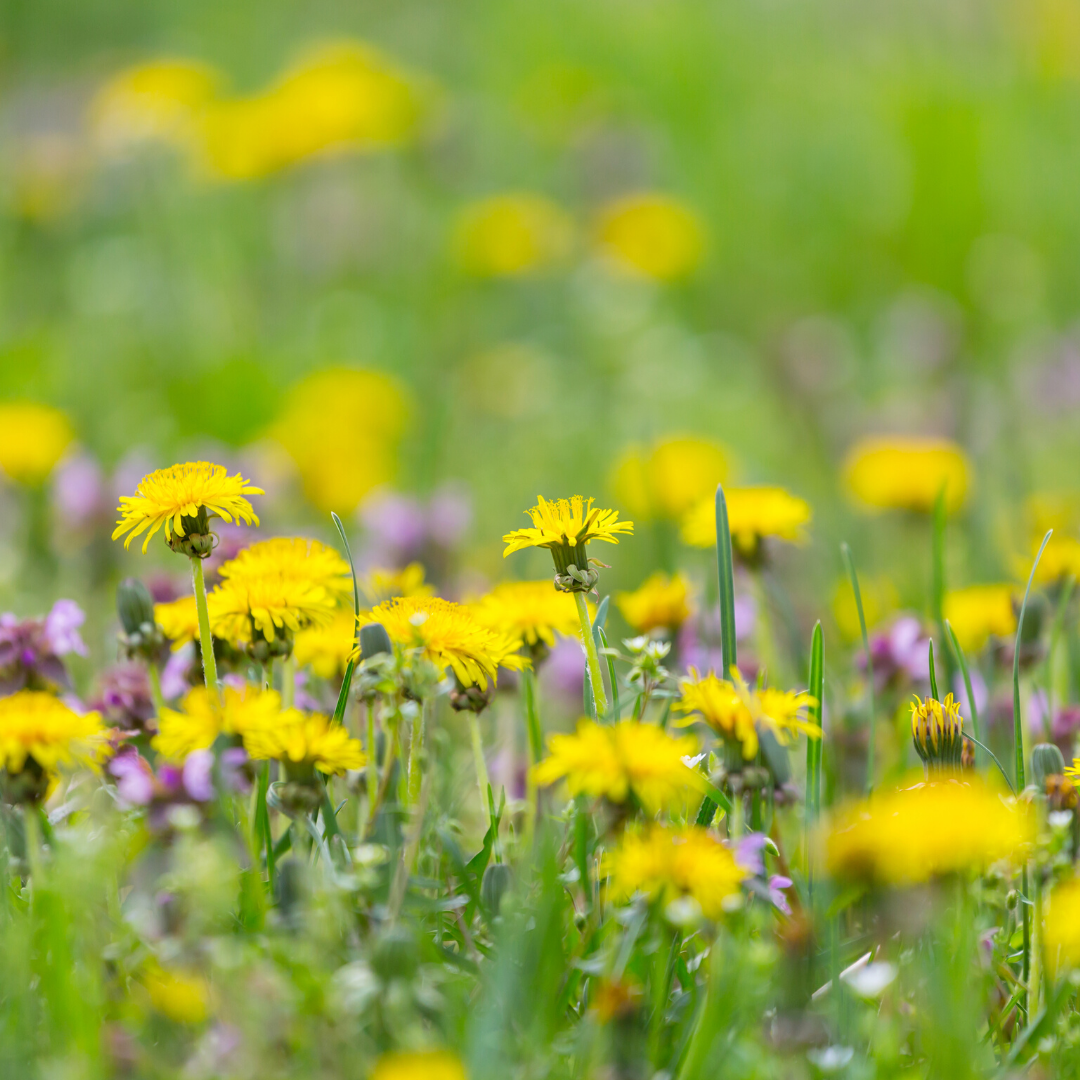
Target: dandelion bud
{"x": 197, "y": 540}
{"x": 1046, "y": 761}
{"x": 140, "y": 634}
{"x": 374, "y": 640}
{"x": 471, "y": 698}
{"x": 937, "y": 732}
{"x": 395, "y": 955}
{"x": 494, "y": 885}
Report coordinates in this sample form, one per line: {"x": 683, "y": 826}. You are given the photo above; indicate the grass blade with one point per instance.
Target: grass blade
{"x": 616, "y": 705}
{"x": 965, "y": 673}
{"x": 849, "y": 562}
{"x": 934, "y": 692}
{"x": 726, "y": 575}
{"x": 937, "y": 598}
{"x": 346, "y": 682}
{"x": 1018, "y": 734}
{"x": 816, "y": 685}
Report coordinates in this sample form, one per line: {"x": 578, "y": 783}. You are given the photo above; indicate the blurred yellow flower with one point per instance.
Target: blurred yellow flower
{"x": 419, "y": 1065}
{"x": 181, "y": 498}
{"x": 450, "y": 636}
{"x": 37, "y": 727}
{"x": 326, "y": 649}
{"x": 158, "y": 100}
{"x": 661, "y": 603}
{"x": 907, "y": 473}
{"x": 305, "y": 741}
{"x": 667, "y": 862}
{"x": 179, "y": 620}
{"x": 754, "y": 513}
{"x": 1057, "y": 510}
{"x": 879, "y": 598}
{"x": 1060, "y": 559}
{"x": 669, "y": 479}
{"x": 979, "y": 611}
{"x": 180, "y": 996}
{"x": 512, "y": 235}
{"x": 292, "y": 557}
{"x": 201, "y": 718}
{"x": 911, "y": 835}
{"x": 734, "y": 710}
{"x": 615, "y": 761}
{"x": 567, "y": 525}
{"x": 338, "y": 97}
{"x": 652, "y": 234}
{"x": 273, "y": 605}
{"x": 1062, "y": 934}
{"x": 380, "y": 584}
{"x": 531, "y": 612}
{"x": 33, "y": 439}
{"x": 341, "y": 427}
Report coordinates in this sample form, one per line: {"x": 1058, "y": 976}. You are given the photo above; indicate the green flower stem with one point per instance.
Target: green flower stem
{"x": 155, "y": 687}
{"x": 206, "y": 642}
{"x": 288, "y": 682}
{"x": 482, "y": 781}
{"x": 534, "y": 731}
{"x": 593, "y": 658}
{"x": 372, "y": 771}
{"x": 32, "y": 841}
{"x": 416, "y": 747}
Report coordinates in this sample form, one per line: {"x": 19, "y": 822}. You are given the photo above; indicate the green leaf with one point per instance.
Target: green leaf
{"x": 346, "y": 683}
{"x": 1018, "y": 735}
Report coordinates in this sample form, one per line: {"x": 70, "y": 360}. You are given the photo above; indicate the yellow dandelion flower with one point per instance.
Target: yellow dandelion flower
{"x": 33, "y": 439}
{"x": 1057, "y": 510}
{"x": 907, "y": 473}
{"x": 37, "y": 727}
{"x": 671, "y": 478}
{"x": 449, "y": 635}
{"x": 326, "y": 649}
{"x": 652, "y": 235}
{"x": 531, "y": 612}
{"x": 979, "y": 611}
{"x": 380, "y": 584}
{"x": 201, "y": 718}
{"x": 180, "y": 996}
{"x": 512, "y": 235}
{"x": 937, "y": 732}
{"x": 661, "y": 603}
{"x": 182, "y": 498}
{"x": 909, "y": 836}
{"x": 419, "y": 1065}
{"x": 619, "y": 760}
{"x": 754, "y": 513}
{"x": 1060, "y": 559}
{"x": 292, "y": 557}
{"x": 342, "y": 427}
{"x": 179, "y": 620}
{"x": 879, "y": 598}
{"x": 1062, "y": 934}
{"x": 305, "y": 741}
{"x": 667, "y": 862}
{"x": 273, "y": 606}
{"x": 734, "y": 710}
{"x": 158, "y": 100}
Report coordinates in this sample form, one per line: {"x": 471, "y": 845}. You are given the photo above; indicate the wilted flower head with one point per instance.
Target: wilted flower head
{"x": 754, "y": 514}
{"x": 911, "y": 835}
{"x": 33, "y": 438}
{"x": 652, "y": 235}
{"x": 666, "y": 862}
{"x": 979, "y": 612}
{"x": 937, "y": 731}
{"x": 661, "y": 603}
{"x": 619, "y": 760}
{"x": 907, "y": 473}
{"x": 512, "y": 235}
{"x": 183, "y": 498}
{"x": 669, "y": 479}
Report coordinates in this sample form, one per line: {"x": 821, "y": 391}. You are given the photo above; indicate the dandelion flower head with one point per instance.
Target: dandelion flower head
{"x": 306, "y": 741}
{"x": 980, "y": 612}
{"x": 175, "y": 498}
{"x": 512, "y": 235}
{"x": 567, "y": 523}
{"x": 879, "y": 598}
{"x": 201, "y": 718}
{"x": 669, "y": 479}
{"x": 652, "y": 235}
{"x": 180, "y": 996}
{"x": 907, "y": 473}
{"x": 274, "y": 605}
{"x": 1060, "y": 559}
{"x": 614, "y": 761}
{"x": 909, "y": 836}
{"x": 450, "y": 636}
{"x": 179, "y": 620}
{"x": 419, "y": 1065}
{"x": 292, "y": 557}
{"x": 1062, "y": 935}
{"x": 33, "y": 439}
{"x": 754, "y": 513}
{"x": 380, "y": 584}
{"x": 36, "y": 726}
{"x": 531, "y": 612}
{"x": 661, "y": 603}
{"x": 937, "y": 731}
{"x": 667, "y": 862}
{"x": 326, "y": 649}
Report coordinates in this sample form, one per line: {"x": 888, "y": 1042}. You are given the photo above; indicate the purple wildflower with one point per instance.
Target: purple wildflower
{"x": 62, "y": 628}
{"x": 123, "y": 696}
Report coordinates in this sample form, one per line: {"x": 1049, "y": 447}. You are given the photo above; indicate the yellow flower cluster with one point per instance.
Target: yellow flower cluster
{"x": 450, "y": 636}
{"x": 379, "y": 584}
{"x": 567, "y": 523}
{"x": 754, "y": 513}
{"x": 179, "y": 620}
{"x": 734, "y": 710}
{"x": 37, "y": 726}
{"x": 1060, "y": 559}
{"x": 419, "y": 1065}
{"x": 33, "y": 438}
{"x": 326, "y": 649}
{"x": 666, "y": 862}
{"x": 661, "y": 603}
{"x": 342, "y": 427}
{"x": 619, "y": 760}
{"x": 174, "y": 497}
{"x": 1062, "y": 934}
{"x": 914, "y": 834}
{"x": 651, "y": 235}
{"x": 907, "y": 473}
{"x": 511, "y": 235}
{"x": 531, "y": 612}
{"x": 202, "y": 717}
{"x": 669, "y": 479}
{"x": 312, "y": 741}
{"x": 979, "y": 612}
{"x": 180, "y": 996}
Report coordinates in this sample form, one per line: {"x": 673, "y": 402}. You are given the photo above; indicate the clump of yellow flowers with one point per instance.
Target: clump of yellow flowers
{"x": 652, "y": 235}
{"x": 754, "y": 514}
{"x": 670, "y": 478}
{"x": 980, "y": 612}
{"x": 907, "y": 473}
{"x": 662, "y": 603}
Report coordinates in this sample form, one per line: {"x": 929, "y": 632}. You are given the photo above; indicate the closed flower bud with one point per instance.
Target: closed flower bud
{"x": 374, "y": 640}
{"x": 135, "y": 606}
{"x": 395, "y": 955}
{"x": 493, "y": 888}
{"x": 937, "y": 732}
{"x": 1046, "y": 761}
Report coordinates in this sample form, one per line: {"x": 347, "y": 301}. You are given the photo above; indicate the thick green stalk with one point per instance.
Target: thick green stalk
{"x": 288, "y": 682}
{"x": 592, "y": 657}
{"x": 206, "y": 642}
{"x": 372, "y": 771}
{"x": 849, "y": 562}
{"x": 482, "y": 781}
{"x": 263, "y": 831}
{"x": 155, "y": 687}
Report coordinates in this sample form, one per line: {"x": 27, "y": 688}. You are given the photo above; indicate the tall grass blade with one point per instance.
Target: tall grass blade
{"x": 726, "y": 576}
{"x": 934, "y": 692}
{"x": 937, "y": 598}
{"x": 965, "y": 674}
{"x": 346, "y": 682}
{"x": 1018, "y": 733}
{"x": 849, "y": 562}
{"x": 816, "y": 685}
